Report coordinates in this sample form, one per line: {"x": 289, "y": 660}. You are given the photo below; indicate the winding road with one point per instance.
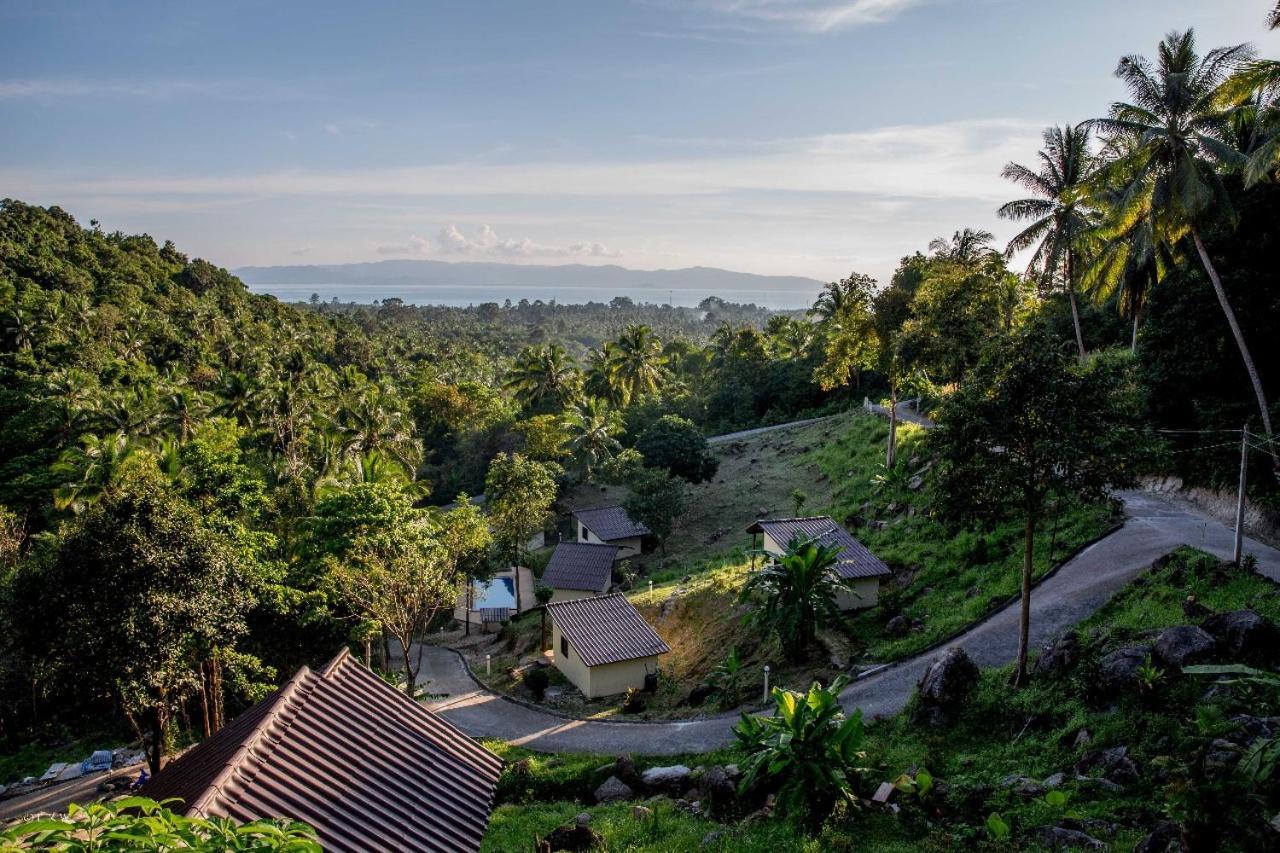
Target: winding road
{"x": 1153, "y": 527}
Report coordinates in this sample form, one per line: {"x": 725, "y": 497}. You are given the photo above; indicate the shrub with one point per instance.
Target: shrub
{"x": 537, "y": 680}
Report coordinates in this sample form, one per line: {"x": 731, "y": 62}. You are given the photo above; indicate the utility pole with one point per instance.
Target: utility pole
{"x": 1244, "y": 469}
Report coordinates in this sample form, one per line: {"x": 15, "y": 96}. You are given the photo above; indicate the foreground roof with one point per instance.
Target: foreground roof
{"x": 581, "y": 566}
{"x": 855, "y": 560}
{"x": 349, "y": 754}
{"x": 610, "y": 523}
{"x": 606, "y": 629}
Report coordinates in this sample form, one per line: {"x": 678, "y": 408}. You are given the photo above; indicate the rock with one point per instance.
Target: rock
{"x": 1254, "y": 728}
{"x": 712, "y": 837}
{"x": 1183, "y": 645}
{"x": 1118, "y": 670}
{"x": 719, "y": 792}
{"x": 625, "y": 769}
{"x": 1116, "y": 765}
{"x": 1054, "y": 781}
{"x": 613, "y": 790}
{"x": 1193, "y": 609}
{"x": 699, "y": 695}
{"x": 641, "y": 812}
{"x": 732, "y": 771}
{"x": 915, "y": 483}
{"x": 674, "y": 778}
{"x": 573, "y": 837}
{"x": 1165, "y": 837}
{"x": 1221, "y": 757}
{"x": 1059, "y": 656}
{"x": 1244, "y": 635}
{"x": 1023, "y": 785}
{"x": 1061, "y": 838}
{"x": 947, "y": 683}
{"x": 582, "y": 818}
{"x": 1083, "y": 739}
{"x": 1098, "y": 782}
{"x": 898, "y": 626}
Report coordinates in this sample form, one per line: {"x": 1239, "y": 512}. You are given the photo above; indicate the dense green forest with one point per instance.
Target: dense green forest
{"x": 188, "y": 470}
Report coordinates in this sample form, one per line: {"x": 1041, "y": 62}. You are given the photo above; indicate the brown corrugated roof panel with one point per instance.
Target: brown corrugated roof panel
{"x": 610, "y": 523}
{"x": 606, "y": 629}
{"x": 855, "y": 560}
{"x": 349, "y": 754}
{"x": 580, "y": 566}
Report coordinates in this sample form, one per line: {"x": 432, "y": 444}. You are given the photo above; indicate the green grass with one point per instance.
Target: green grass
{"x": 946, "y": 580}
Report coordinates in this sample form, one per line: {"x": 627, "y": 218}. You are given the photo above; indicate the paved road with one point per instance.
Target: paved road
{"x": 747, "y": 433}
{"x": 1155, "y": 526}
{"x": 55, "y": 798}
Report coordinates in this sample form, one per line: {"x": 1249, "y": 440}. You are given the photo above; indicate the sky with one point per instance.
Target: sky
{"x": 801, "y": 137}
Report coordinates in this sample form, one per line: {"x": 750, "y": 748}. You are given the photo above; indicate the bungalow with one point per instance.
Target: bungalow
{"x": 610, "y": 525}
{"x": 347, "y": 753}
{"x": 855, "y": 562}
{"x": 603, "y": 645}
{"x": 580, "y": 570}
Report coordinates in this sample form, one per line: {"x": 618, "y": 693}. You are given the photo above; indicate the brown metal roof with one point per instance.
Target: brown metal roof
{"x": 610, "y": 523}
{"x": 580, "y": 566}
{"x": 350, "y": 755}
{"x": 855, "y": 560}
{"x": 606, "y": 629}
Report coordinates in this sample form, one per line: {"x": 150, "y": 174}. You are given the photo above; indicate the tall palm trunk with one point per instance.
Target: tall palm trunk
{"x": 1238, "y": 335}
{"x": 1071, "y": 296}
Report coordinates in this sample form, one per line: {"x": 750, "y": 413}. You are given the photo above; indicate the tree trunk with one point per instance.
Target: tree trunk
{"x": 1133, "y": 341}
{"x": 205, "y": 717}
{"x": 1239, "y": 336}
{"x": 1024, "y": 618}
{"x": 158, "y": 721}
{"x": 410, "y": 673}
{"x": 891, "y": 453}
{"x": 517, "y": 573}
{"x": 1071, "y": 296}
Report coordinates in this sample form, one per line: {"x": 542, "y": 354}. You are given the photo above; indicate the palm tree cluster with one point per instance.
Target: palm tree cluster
{"x": 1116, "y": 203}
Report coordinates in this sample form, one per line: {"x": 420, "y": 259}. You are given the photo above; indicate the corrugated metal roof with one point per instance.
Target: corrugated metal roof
{"x": 494, "y": 614}
{"x": 580, "y": 566}
{"x": 606, "y": 629}
{"x": 855, "y": 560}
{"x": 610, "y": 523}
{"x": 349, "y": 754}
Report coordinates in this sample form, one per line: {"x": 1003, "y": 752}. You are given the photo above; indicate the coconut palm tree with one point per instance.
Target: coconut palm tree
{"x": 800, "y": 592}
{"x": 592, "y": 426}
{"x": 1056, "y": 209}
{"x": 596, "y": 378}
{"x": 966, "y": 246}
{"x": 542, "y": 375}
{"x": 1172, "y": 176}
{"x": 90, "y": 468}
{"x": 637, "y": 364}
{"x": 1273, "y": 20}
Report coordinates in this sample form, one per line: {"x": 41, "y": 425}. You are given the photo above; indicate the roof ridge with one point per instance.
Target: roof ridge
{"x": 282, "y": 698}
{"x": 342, "y": 655}
{"x": 797, "y": 518}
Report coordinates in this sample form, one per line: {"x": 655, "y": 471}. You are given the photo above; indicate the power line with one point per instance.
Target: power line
{"x": 1206, "y": 447}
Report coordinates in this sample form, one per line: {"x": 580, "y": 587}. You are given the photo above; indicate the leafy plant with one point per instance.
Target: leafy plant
{"x": 1150, "y": 677}
{"x": 1262, "y": 760}
{"x": 138, "y": 823}
{"x": 727, "y": 679}
{"x": 808, "y": 752}
{"x": 632, "y": 701}
{"x": 800, "y": 593}
{"x": 919, "y": 785}
{"x": 891, "y": 479}
{"x": 537, "y": 680}
{"x": 997, "y": 828}
{"x": 798, "y": 500}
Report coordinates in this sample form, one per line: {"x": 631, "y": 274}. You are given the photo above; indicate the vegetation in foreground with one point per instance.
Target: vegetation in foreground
{"x": 1011, "y": 769}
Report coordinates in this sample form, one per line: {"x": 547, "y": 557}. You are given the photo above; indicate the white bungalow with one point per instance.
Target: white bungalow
{"x": 610, "y": 525}
{"x": 855, "y": 563}
{"x": 603, "y": 645}
{"x": 580, "y": 570}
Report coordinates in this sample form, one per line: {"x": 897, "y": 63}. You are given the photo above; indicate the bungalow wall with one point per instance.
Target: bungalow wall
{"x": 867, "y": 589}
{"x": 596, "y": 681}
{"x": 626, "y": 547}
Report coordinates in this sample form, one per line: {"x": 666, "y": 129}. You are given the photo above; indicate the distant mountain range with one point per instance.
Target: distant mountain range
{"x": 401, "y": 273}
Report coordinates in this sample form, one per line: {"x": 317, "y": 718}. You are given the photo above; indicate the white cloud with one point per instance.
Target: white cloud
{"x": 487, "y": 243}
{"x": 157, "y": 89}
{"x": 415, "y": 246}
{"x": 813, "y": 15}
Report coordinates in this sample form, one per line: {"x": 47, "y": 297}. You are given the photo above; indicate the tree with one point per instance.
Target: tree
{"x": 518, "y": 492}
{"x": 543, "y": 594}
{"x": 676, "y": 444}
{"x": 807, "y": 752}
{"x": 542, "y": 377}
{"x": 847, "y": 332}
{"x": 592, "y": 427}
{"x": 134, "y": 600}
{"x": 1172, "y": 174}
{"x": 800, "y": 591}
{"x": 636, "y": 364}
{"x": 404, "y": 576}
{"x": 966, "y": 246}
{"x": 1059, "y": 218}
{"x": 656, "y": 500}
{"x": 1027, "y": 425}
{"x": 836, "y": 294}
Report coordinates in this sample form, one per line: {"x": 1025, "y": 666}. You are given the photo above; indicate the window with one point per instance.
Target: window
{"x": 564, "y": 646}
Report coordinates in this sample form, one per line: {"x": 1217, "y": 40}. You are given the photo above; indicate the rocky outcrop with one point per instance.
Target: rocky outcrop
{"x": 946, "y": 684}
{"x": 1061, "y": 838}
{"x": 1059, "y": 657}
{"x": 1165, "y": 837}
{"x": 613, "y": 790}
{"x": 1184, "y": 645}
{"x": 673, "y": 779}
{"x": 1118, "y": 670}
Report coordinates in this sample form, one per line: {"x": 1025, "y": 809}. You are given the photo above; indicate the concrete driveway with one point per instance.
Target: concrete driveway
{"x": 1155, "y": 526}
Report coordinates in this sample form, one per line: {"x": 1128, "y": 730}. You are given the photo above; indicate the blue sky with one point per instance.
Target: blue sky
{"x": 810, "y": 137}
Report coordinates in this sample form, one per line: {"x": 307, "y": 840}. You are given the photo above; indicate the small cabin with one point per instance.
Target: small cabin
{"x": 863, "y": 570}
{"x": 579, "y": 570}
{"x": 610, "y": 525}
{"x": 603, "y": 645}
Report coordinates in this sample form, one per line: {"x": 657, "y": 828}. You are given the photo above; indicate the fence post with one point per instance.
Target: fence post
{"x": 766, "y": 682}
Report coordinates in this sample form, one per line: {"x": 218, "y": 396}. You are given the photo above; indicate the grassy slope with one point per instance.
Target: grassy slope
{"x": 1001, "y": 731}
{"x": 947, "y": 581}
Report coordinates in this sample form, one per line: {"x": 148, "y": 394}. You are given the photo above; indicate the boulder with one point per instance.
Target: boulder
{"x": 613, "y": 790}
{"x": 898, "y": 626}
{"x": 674, "y": 778}
{"x": 641, "y": 812}
{"x": 1254, "y": 728}
{"x": 625, "y": 769}
{"x": 948, "y": 682}
{"x": 1054, "y": 781}
{"x": 1023, "y": 785}
{"x": 719, "y": 792}
{"x": 1116, "y": 765}
{"x": 1244, "y": 636}
{"x": 1221, "y": 757}
{"x": 1059, "y": 656}
{"x": 582, "y": 818}
{"x": 1165, "y": 837}
{"x": 699, "y": 695}
{"x": 573, "y": 837}
{"x": 1183, "y": 645}
{"x": 1061, "y": 838}
{"x": 1118, "y": 670}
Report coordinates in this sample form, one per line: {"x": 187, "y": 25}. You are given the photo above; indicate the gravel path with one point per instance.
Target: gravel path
{"x": 1154, "y": 527}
